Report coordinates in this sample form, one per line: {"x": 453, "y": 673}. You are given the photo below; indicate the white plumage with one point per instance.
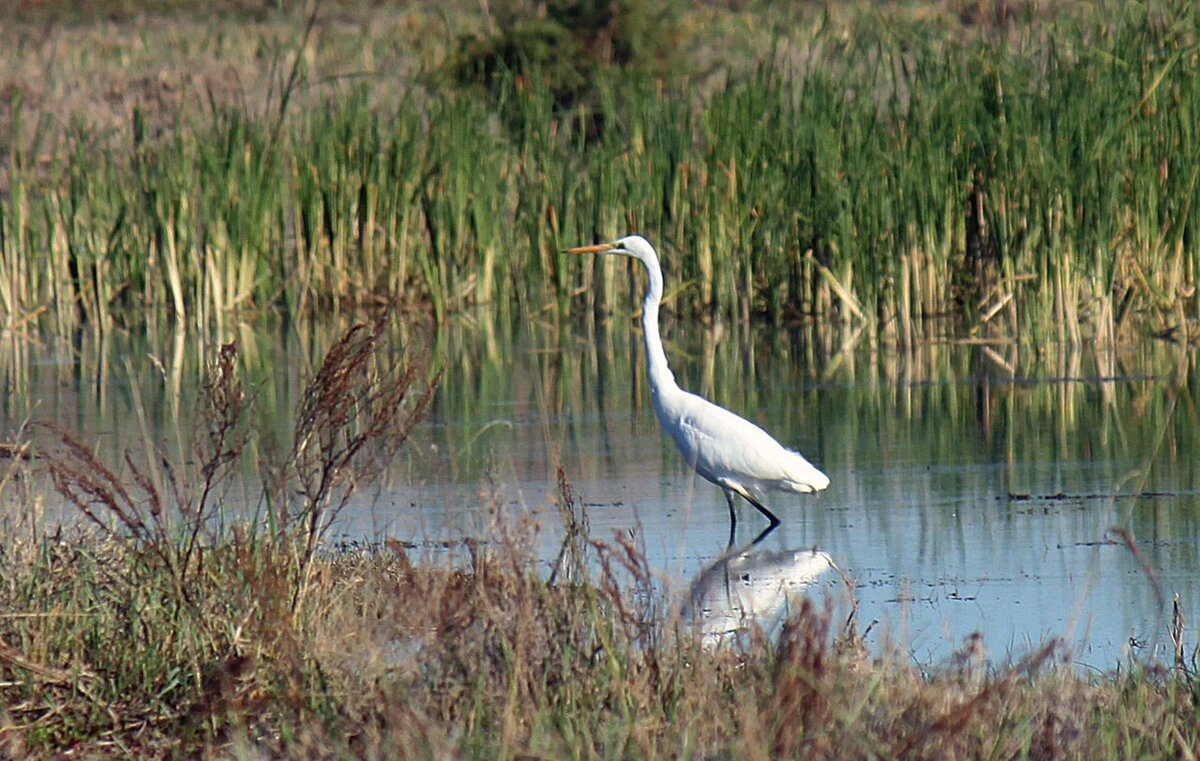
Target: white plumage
{"x": 721, "y": 446}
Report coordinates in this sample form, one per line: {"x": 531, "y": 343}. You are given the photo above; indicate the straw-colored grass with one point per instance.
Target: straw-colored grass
{"x": 394, "y": 656}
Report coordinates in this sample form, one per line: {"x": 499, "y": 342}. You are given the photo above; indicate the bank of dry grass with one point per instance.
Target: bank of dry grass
{"x": 393, "y": 656}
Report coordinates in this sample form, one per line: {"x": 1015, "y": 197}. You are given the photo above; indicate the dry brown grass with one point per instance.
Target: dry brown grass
{"x": 481, "y": 657}
{"x": 65, "y": 63}
{"x": 95, "y": 62}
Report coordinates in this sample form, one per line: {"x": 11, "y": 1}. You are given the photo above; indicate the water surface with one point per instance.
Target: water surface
{"x": 975, "y": 487}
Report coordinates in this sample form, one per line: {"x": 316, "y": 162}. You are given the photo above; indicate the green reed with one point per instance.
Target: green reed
{"x": 1041, "y": 181}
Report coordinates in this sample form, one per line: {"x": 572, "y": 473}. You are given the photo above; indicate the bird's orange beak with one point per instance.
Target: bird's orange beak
{"x": 596, "y": 249}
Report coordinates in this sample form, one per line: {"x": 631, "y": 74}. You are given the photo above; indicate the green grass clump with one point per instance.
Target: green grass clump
{"x": 569, "y": 43}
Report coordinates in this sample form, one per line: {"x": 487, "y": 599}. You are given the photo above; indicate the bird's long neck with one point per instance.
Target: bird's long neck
{"x": 659, "y": 373}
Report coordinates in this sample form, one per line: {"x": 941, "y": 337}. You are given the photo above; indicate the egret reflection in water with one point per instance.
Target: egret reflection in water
{"x": 750, "y": 586}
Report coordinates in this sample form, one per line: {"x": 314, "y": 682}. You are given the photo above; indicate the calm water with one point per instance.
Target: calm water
{"x": 974, "y": 488}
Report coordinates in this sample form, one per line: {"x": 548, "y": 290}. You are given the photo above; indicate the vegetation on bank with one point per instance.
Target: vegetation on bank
{"x": 170, "y": 628}
{"x": 1038, "y": 179}
{"x": 102, "y": 654}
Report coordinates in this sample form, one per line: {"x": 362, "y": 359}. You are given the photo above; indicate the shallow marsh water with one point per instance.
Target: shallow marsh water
{"x": 974, "y": 486}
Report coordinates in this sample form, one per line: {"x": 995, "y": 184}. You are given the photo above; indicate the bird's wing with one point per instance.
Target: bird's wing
{"x": 729, "y": 450}
{"x": 724, "y": 444}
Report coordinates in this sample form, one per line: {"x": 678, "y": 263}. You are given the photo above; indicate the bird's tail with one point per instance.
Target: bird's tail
{"x": 803, "y": 476}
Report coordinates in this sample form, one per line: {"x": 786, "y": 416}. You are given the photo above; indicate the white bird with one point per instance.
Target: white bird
{"x": 721, "y": 446}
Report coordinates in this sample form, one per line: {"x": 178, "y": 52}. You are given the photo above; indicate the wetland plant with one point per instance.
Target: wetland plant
{"x": 1040, "y": 182}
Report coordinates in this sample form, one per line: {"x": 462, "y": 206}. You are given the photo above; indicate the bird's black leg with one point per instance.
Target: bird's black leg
{"x": 732, "y": 516}
{"x": 763, "y": 534}
{"x": 729, "y": 501}
{"x": 763, "y": 509}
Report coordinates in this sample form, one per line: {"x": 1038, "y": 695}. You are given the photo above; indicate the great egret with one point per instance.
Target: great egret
{"x": 721, "y": 446}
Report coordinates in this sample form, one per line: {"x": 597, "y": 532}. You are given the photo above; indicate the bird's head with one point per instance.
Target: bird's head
{"x": 631, "y": 245}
